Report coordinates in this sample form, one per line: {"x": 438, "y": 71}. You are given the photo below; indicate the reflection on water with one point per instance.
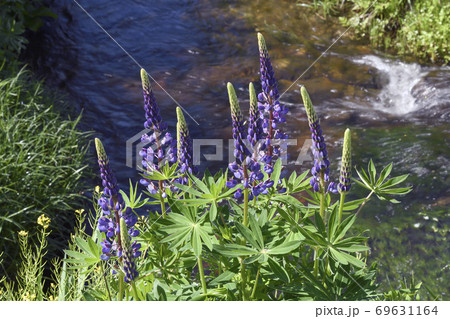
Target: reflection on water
{"x": 397, "y": 111}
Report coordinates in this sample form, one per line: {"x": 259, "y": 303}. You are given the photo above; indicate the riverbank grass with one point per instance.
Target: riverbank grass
{"x": 41, "y": 163}
{"x": 418, "y": 28}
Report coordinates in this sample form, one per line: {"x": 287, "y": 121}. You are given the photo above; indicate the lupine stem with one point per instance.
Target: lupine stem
{"x": 106, "y": 282}
{"x": 161, "y": 199}
{"x": 245, "y": 197}
{"x": 134, "y": 291}
{"x": 202, "y": 274}
{"x": 322, "y": 196}
{"x": 243, "y": 280}
{"x": 316, "y": 261}
{"x": 341, "y": 206}
{"x": 121, "y": 287}
{"x": 364, "y": 203}
{"x": 256, "y": 282}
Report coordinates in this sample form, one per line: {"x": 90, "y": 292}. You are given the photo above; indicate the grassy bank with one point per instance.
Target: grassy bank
{"x": 419, "y": 28}
{"x": 41, "y": 166}
{"x": 41, "y": 150}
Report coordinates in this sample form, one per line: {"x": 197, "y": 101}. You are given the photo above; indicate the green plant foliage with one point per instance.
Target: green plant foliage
{"x": 17, "y": 16}
{"x": 41, "y": 166}
{"x": 420, "y": 28}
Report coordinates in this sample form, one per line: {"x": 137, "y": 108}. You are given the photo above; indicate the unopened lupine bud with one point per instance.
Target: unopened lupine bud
{"x": 321, "y": 163}
{"x": 346, "y": 165}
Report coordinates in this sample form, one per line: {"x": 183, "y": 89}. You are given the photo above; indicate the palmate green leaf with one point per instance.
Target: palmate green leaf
{"x": 86, "y": 247}
{"x": 199, "y": 184}
{"x": 333, "y": 224}
{"x": 387, "y": 198}
{"x": 205, "y": 238}
{"x": 353, "y": 260}
{"x": 223, "y": 277}
{"x": 284, "y": 248}
{"x": 372, "y": 172}
{"x": 189, "y": 189}
{"x": 344, "y": 258}
{"x": 347, "y": 242}
{"x": 248, "y": 235}
{"x": 62, "y": 287}
{"x": 365, "y": 181}
{"x": 396, "y": 191}
{"x": 194, "y": 202}
{"x": 384, "y": 174}
{"x": 278, "y": 270}
{"x": 252, "y": 259}
{"x": 287, "y": 199}
{"x": 300, "y": 183}
{"x": 256, "y": 231}
{"x": 213, "y": 211}
{"x": 234, "y": 250}
{"x": 196, "y": 242}
{"x": 179, "y": 219}
{"x": 394, "y": 181}
{"x": 276, "y": 171}
{"x": 354, "y": 248}
{"x": 292, "y": 178}
{"x": 344, "y": 227}
{"x": 338, "y": 256}
{"x": 78, "y": 257}
{"x": 352, "y": 205}
{"x": 178, "y": 238}
{"x": 319, "y": 222}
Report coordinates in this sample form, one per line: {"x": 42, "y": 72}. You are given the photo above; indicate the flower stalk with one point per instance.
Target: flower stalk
{"x": 346, "y": 170}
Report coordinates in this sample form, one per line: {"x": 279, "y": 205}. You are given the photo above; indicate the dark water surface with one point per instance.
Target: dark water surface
{"x": 398, "y": 111}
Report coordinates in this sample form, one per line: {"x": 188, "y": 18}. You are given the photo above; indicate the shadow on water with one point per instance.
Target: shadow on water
{"x": 398, "y": 111}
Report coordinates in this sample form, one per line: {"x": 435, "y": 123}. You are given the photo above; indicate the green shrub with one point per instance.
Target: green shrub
{"x": 420, "y": 28}
{"x": 17, "y": 16}
{"x": 41, "y": 161}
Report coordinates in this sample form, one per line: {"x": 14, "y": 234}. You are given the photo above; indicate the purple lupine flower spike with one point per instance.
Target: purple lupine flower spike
{"x": 255, "y": 131}
{"x": 241, "y": 151}
{"x": 184, "y": 146}
{"x": 164, "y": 146}
{"x": 130, "y": 252}
{"x": 320, "y": 170}
{"x": 269, "y": 104}
{"x": 113, "y": 207}
{"x": 154, "y": 120}
{"x": 246, "y": 168}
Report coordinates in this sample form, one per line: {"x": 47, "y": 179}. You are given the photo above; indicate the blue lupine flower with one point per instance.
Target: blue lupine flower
{"x": 130, "y": 253}
{"x": 320, "y": 170}
{"x": 161, "y": 144}
{"x": 113, "y": 207}
{"x": 269, "y": 104}
{"x": 184, "y": 147}
{"x": 246, "y": 168}
{"x": 255, "y": 131}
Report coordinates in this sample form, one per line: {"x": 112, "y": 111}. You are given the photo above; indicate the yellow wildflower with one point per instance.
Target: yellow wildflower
{"x": 79, "y": 211}
{"x": 23, "y": 233}
{"x": 51, "y": 298}
{"x": 28, "y": 297}
{"x": 97, "y": 189}
{"x": 43, "y": 221}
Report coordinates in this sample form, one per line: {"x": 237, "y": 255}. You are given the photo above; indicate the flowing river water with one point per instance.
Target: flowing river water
{"x": 398, "y": 110}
